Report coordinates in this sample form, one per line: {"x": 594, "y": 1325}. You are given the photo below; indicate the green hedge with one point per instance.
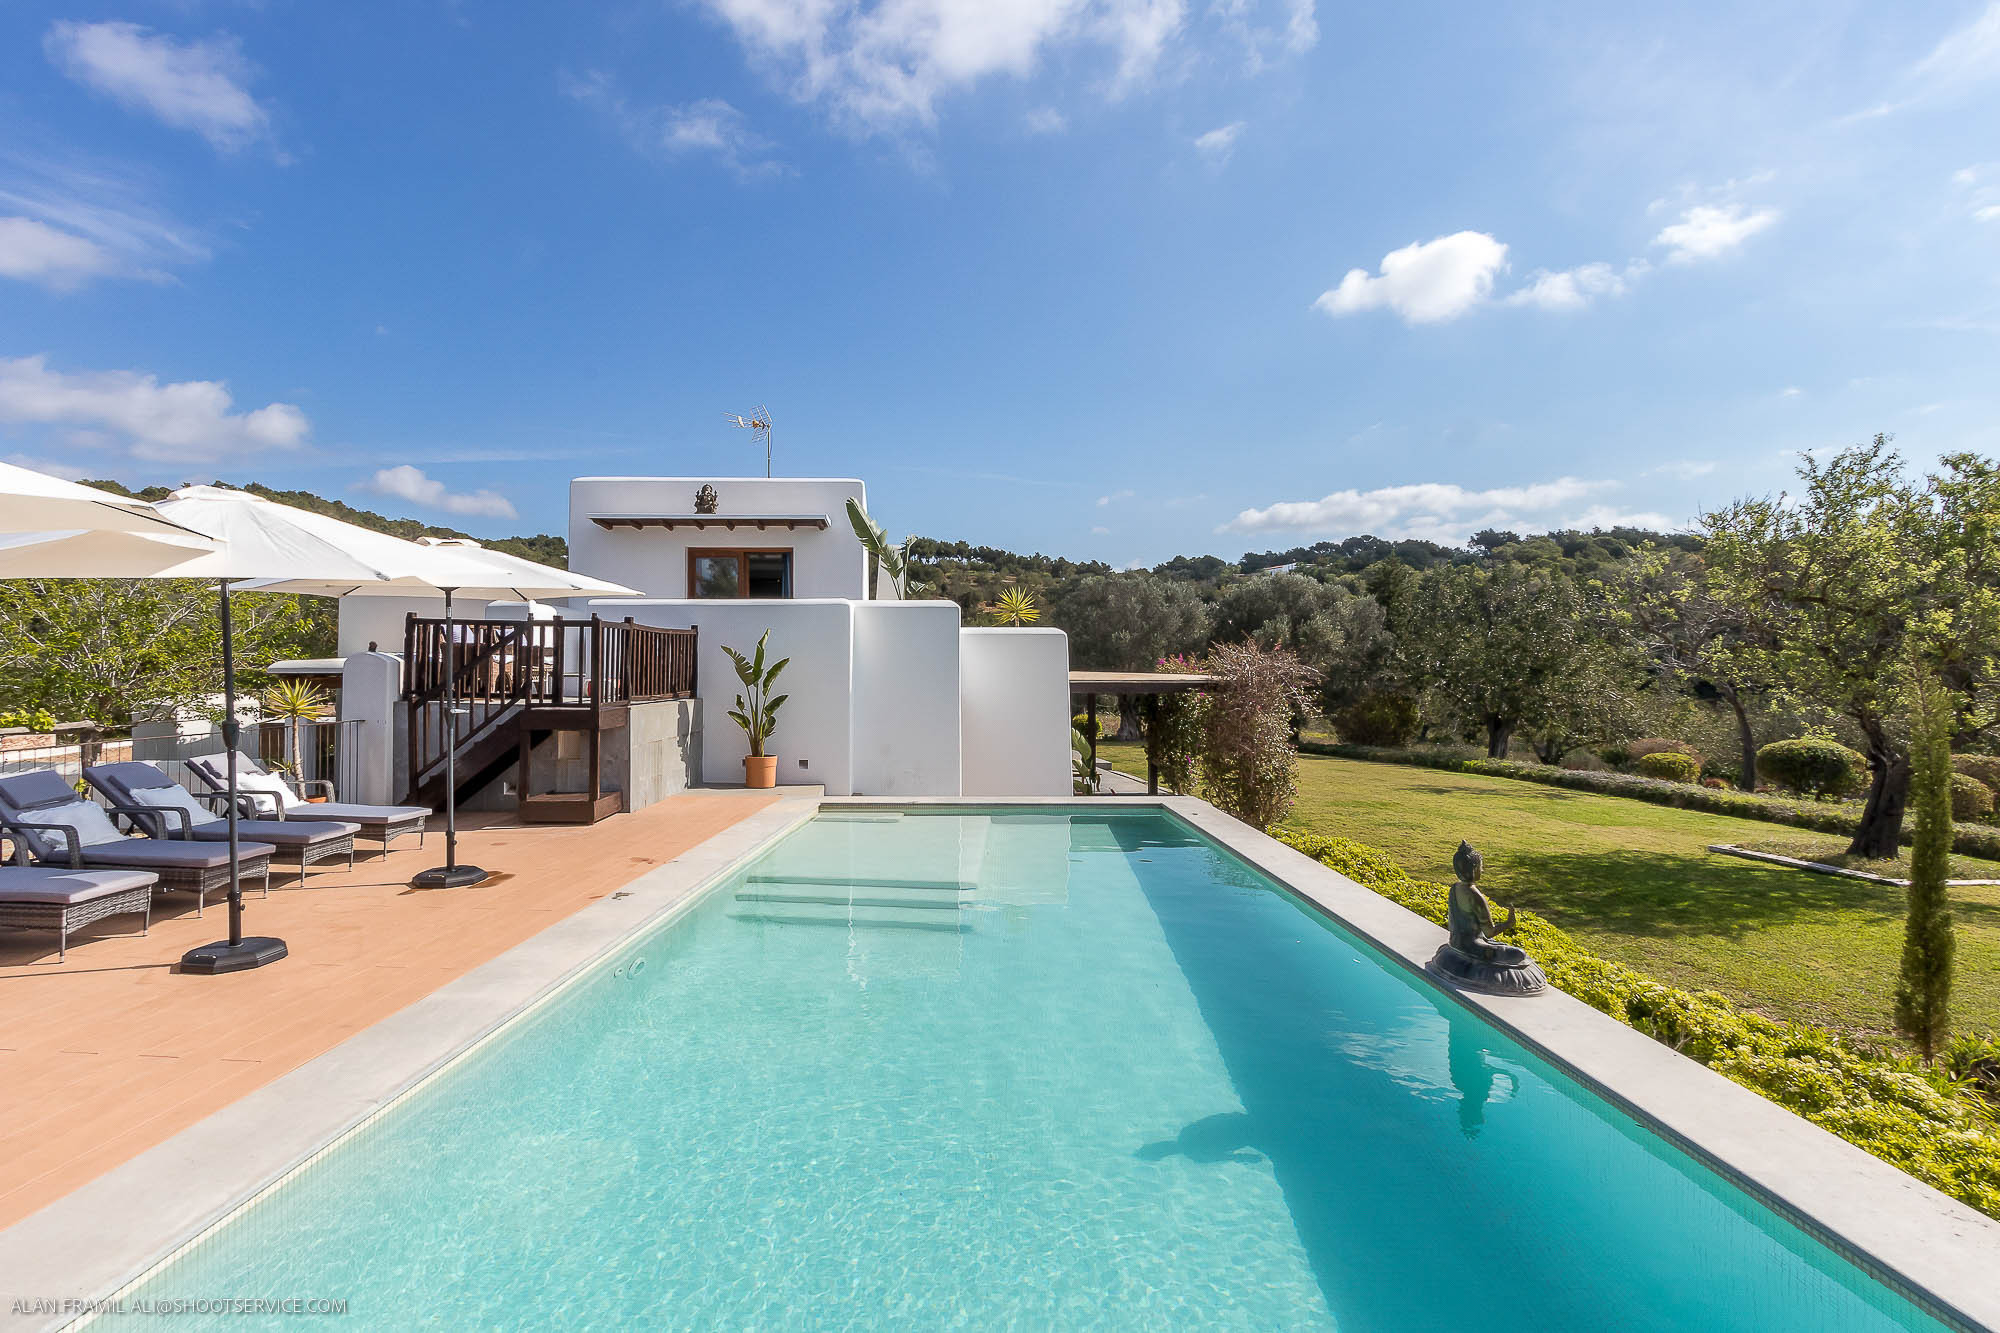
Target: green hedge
{"x": 1910, "y": 1116}
{"x": 1820, "y": 816}
{"x": 1668, "y": 766}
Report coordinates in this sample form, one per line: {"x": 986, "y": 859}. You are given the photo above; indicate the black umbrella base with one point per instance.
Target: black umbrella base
{"x": 448, "y": 877}
{"x": 222, "y": 956}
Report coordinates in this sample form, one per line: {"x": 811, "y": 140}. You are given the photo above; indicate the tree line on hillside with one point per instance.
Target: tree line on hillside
{"x": 543, "y": 548}
{"x": 1802, "y": 614}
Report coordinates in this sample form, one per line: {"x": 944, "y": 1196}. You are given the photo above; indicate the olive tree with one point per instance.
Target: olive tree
{"x": 1502, "y": 649}
{"x": 1859, "y": 574}
{"x": 1128, "y": 622}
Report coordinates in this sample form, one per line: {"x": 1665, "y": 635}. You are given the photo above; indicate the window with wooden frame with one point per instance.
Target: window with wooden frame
{"x": 739, "y": 572}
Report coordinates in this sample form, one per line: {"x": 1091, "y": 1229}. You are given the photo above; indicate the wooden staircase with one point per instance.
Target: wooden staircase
{"x": 516, "y": 683}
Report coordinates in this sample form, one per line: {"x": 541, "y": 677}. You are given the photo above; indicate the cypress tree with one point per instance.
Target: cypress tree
{"x": 1923, "y": 990}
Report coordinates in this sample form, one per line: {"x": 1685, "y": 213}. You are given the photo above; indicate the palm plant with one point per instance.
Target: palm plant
{"x": 884, "y": 556}
{"x": 1015, "y": 606}
{"x": 757, "y": 713}
{"x": 295, "y": 702}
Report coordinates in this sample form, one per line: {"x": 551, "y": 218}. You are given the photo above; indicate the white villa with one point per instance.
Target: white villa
{"x": 886, "y": 697}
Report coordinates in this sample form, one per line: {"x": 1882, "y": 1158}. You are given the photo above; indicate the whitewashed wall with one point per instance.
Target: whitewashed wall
{"x": 815, "y": 724}
{"x": 1013, "y": 700}
{"x": 827, "y": 563}
{"x": 906, "y": 726}
{"x": 379, "y": 620}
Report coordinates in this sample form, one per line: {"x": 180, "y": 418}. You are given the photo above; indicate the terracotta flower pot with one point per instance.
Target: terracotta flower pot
{"x": 760, "y": 770}
{"x": 315, "y": 800}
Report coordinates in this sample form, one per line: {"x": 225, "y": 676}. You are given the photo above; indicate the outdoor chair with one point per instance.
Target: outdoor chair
{"x": 47, "y": 820}
{"x": 264, "y": 794}
{"x": 172, "y": 811}
{"x": 47, "y": 898}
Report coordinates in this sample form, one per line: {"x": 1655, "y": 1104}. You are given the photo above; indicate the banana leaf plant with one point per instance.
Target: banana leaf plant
{"x": 756, "y": 709}
{"x": 884, "y": 556}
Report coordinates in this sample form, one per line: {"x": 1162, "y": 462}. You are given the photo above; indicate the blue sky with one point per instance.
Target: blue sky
{"x": 1107, "y": 278}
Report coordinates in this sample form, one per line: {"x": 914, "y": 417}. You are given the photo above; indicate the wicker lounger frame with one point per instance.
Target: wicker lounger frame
{"x": 65, "y": 917}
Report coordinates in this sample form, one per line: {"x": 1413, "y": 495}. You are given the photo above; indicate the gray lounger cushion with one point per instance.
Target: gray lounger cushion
{"x": 367, "y": 814}
{"x": 47, "y": 884}
{"x": 211, "y": 768}
{"x": 279, "y": 832}
{"x": 43, "y": 797}
{"x": 145, "y": 852}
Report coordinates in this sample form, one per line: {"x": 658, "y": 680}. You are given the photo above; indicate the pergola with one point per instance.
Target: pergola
{"x": 1148, "y": 685}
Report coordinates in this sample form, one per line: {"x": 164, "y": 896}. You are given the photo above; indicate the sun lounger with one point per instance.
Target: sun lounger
{"x": 48, "y": 821}
{"x": 266, "y": 795}
{"x": 47, "y": 898}
{"x": 171, "y": 811}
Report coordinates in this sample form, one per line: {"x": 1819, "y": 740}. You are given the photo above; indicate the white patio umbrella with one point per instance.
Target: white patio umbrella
{"x": 268, "y": 542}
{"x": 56, "y": 529}
{"x": 456, "y": 566}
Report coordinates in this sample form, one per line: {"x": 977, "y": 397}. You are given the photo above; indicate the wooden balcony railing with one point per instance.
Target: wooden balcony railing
{"x": 544, "y": 668}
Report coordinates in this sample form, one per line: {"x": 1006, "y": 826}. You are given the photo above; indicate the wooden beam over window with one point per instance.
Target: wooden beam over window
{"x": 703, "y": 522}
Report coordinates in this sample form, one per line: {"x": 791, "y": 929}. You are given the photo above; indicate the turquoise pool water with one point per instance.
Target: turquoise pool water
{"x": 1015, "y": 1070}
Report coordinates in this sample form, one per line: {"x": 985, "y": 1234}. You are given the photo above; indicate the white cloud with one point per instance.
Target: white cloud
{"x": 1685, "y": 470}
{"x": 1216, "y": 146}
{"x": 36, "y": 252}
{"x": 191, "y": 421}
{"x": 708, "y": 126}
{"x": 881, "y": 66}
{"x": 1965, "y": 57}
{"x": 195, "y": 86}
{"x": 1113, "y": 498}
{"x": 1045, "y": 120}
{"x": 1435, "y": 511}
{"x": 1426, "y": 282}
{"x": 1100, "y": 532}
{"x": 64, "y": 222}
{"x": 1982, "y": 191}
{"x": 1709, "y": 231}
{"x": 1572, "y": 288}
{"x": 404, "y": 482}
{"x": 1790, "y": 391}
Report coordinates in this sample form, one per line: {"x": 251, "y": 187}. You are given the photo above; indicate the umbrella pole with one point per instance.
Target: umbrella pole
{"x": 450, "y": 875}
{"x": 236, "y": 953}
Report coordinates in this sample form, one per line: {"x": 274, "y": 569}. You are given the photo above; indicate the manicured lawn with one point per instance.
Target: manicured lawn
{"x": 1636, "y": 883}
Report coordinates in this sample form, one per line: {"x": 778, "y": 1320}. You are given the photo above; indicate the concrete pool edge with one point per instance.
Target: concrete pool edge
{"x": 102, "y": 1237}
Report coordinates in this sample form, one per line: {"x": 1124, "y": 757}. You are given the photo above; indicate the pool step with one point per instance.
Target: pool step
{"x": 826, "y": 900}
{"x": 848, "y": 886}
{"x": 871, "y": 918}
{"x": 834, "y": 900}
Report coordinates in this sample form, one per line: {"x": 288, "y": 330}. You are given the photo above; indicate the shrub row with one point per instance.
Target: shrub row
{"x": 1911, "y": 1116}
{"x": 1817, "y": 816}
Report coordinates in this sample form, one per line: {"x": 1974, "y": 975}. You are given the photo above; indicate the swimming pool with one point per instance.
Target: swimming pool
{"x": 1015, "y": 1069}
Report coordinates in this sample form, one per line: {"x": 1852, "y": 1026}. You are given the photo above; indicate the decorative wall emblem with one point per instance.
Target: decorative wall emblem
{"x": 705, "y": 500}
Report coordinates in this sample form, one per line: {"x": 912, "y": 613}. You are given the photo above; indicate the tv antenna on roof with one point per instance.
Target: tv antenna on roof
{"x": 759, "y": 421}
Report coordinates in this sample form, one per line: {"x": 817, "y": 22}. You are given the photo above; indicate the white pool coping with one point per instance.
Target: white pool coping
{"x": 107, "y": 1234}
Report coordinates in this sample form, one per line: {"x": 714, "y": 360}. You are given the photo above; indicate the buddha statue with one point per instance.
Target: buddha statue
{"x": 1471, "y": 957}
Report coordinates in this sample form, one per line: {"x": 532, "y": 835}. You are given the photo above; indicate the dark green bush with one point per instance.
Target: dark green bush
{"x": 1667, "y": 766}
{"x": 1822, "y": 817}
{"x": 1970, "y": 798}
{"x": 1920, "y": 1119}
{"x": 1615, "y": 755}
{"x": 1985, "y": 767}
{"x": 1379, "y": 717}
{"x": 1812, "y": 766}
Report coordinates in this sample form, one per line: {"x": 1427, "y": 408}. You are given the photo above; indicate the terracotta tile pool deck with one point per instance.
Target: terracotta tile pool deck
{"x": 114, "y": 1051}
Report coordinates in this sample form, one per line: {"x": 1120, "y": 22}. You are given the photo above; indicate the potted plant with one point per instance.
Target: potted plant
{"x": 756, "y": 711}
